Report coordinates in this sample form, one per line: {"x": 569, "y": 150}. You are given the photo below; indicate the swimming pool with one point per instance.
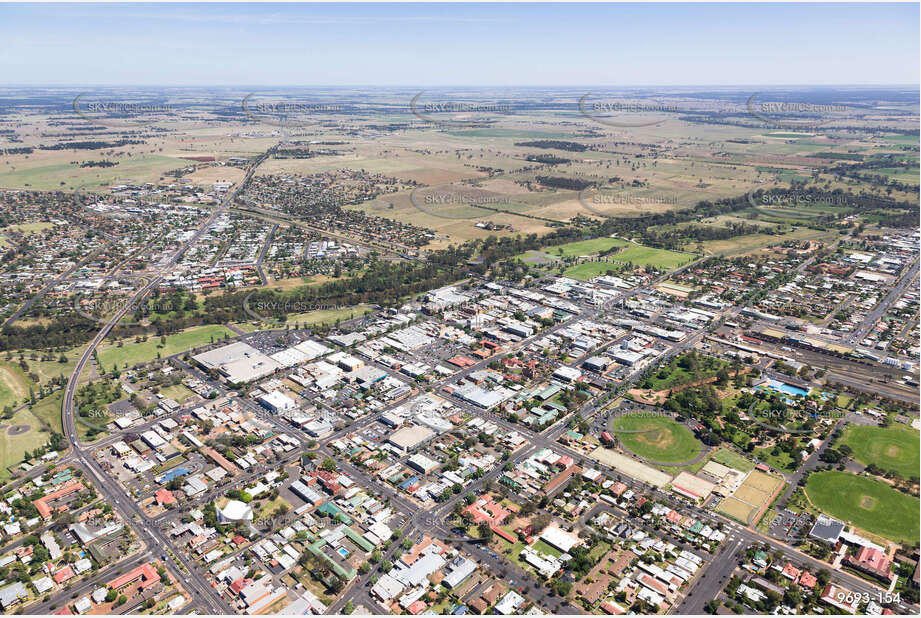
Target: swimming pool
{"x": 783, "y": 387}
{"x": 343, "y": 552}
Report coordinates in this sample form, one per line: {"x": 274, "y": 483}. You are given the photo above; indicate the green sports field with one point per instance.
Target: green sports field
{"x": 134, "y": 353}
{"x": 590, "y": 270}
{"x": 665, "y": 440}
{"x": 866, "y": 503}
{"x": 891, "y": 448}
{"x": 639, "y": 255}
{"x": 586, "y": 247}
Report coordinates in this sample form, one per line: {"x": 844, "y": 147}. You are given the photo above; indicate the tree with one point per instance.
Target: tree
{"x": 823, "y": 577}
{"x": 348, "y": 608}
{"x": 540, "y": 522}
{"x": 111, "y": 595}
{"x": 329, "y": 464}
{"x": 792, "y": 597}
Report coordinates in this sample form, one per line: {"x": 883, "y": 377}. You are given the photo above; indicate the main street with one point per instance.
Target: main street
{"x": 203, "y": 595}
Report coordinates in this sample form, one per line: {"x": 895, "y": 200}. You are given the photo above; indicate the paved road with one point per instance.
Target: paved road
{"x": 265, "y": 248}
{"x": 63, "y": 276}
{"x": 204, "y": 596}
{"x": 876, "y": 313}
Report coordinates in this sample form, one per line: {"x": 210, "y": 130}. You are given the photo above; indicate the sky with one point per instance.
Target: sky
{"x": 459, "y": 44}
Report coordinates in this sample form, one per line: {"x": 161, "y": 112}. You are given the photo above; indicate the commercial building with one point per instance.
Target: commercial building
{"x": 239, "y": 362}
{"x": 559, "y": 539}
{"x": 826, "y": 529}
{"x": 233, "y": 512}
{"x": 409, "y": 437}
{"x": 276, "y": 402}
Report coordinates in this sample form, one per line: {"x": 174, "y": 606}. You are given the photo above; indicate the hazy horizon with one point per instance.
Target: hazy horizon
{"x": 480, "y": 45}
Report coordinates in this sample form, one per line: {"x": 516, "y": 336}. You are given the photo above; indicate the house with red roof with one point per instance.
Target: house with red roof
{"x": 790, "y": 572}
{"x": 873, "y": 562}
{"x": 146, "y": 573}
{"x": 416, "y": 607}
{"x": 485, "y": 508}
{"x": 807, "y": 580}
{"x": 63, "y": 575}
{"x": 44, "y": 504}
{"x": 165, "y": 497}
{"x": 240, "y": 584}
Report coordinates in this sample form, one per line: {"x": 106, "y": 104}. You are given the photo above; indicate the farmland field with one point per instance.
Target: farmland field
{"x": 868, "y": 504}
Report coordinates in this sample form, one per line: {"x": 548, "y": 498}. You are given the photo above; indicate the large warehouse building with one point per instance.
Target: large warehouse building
{"x": 239, "y": 362}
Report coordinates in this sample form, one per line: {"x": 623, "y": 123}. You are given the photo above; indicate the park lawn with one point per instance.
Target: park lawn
{"x": 169, "y": 464}
{"x": 14, "y": 447}
{"x": 673, "y": 374}
{"x": 269, "y": 506}
{"x": 590, "y": 270}
{"x": 666, "y": 439}
{"x": 598, "y": 551}
{"x": 639, "y": 255}
{"x": 866, "y": 503}
{"x": 328, "y": 316}
{"x": 52, "y": 368}
{"x": 131, "y": 354}
{"x": 544, "y": 548}
{"x": 513, "y": 553}
{"x": 90, "y": 430}
{"x": 14, "y": 384}
{"x": 733, "y": 460}
{"x": 781, "y": 461}
{"x": 894, "y": 449}
{"x": 177, "y": 391}
{"x": 28, "y": 228}
{"x": 585, "y": 247}
{"x": 48, "y": 410}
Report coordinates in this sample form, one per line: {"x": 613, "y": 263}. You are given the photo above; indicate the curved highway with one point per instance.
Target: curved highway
{"x": 203, "y": 595}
